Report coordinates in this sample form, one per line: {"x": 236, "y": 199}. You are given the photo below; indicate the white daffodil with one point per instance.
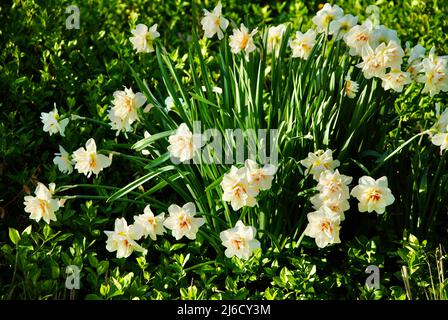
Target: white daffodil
{"x": 372, "y": 64}
{"x": 147, "y": 224}
{"x": 42, "y": 205}
{"x": 416, "y": 55}
{"x": 274, "y": 40}
{"x": 435, "y": 74}
{"x": 182, "y": 145}
{"x": 325, "y": 16}
{"x": 260, "y": 178}
{"x": 237, "y": 190}
{"x": 242, "y": 40}
{"x": 373, "y": 195}
{"x": 302, "y": 44}
{"x": 333, "y": 184}
{"x": 382, "y": 34}
{"x": 182, "y": 222}
{"x": 323, "y": 226}
{"x": 441, "y": 124}
{"x": 52, "y": 122}
{"x": 214, "y": 23}
{"x": 359, "y": 38}
{"x": 125, "y": 107}
{"x": 239, "y": 241}
{"x": 396, "y": 80}
{"x": 63, "y": 161}
{"x": 123, "y": 239}
{"x": 351, "y": 87}
{"x": 393, "y": 55}
{"x": 441, "y": 139}
{"x": 338, "y": 205}
{"x": 318, "y": 162}
{"x": 143, "y": 39}
{"x": 341, "y": 26}
{"x": 88, "y": 161}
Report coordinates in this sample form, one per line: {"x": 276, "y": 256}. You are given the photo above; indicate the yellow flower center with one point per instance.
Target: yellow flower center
{"x": 375, "y": 195}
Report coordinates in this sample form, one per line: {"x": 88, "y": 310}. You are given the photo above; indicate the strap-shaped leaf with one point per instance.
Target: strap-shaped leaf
{"x": 135, "y": 184}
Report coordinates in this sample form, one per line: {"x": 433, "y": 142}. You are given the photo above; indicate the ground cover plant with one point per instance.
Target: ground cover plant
{"x": 202, "y": 150}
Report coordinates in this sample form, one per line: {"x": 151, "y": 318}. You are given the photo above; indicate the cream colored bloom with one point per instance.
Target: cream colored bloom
{"x": 333, "y": 184}
{"x": 396, "y": 80}
{"x": 88, "y": 161}
{"x": 373, "y": 62}
{"x": 147, "y": 224}
{"x": 341, "y": 26}
{"x": 338, "y": 205}
{"x": 393, "y": 55}
{"x": 63, "y": 161}
{"x": 373, "y": 195}
{"x": 325, "y": 16}
{"x": 274, "y": 40}
{"x": 441, "y": 139}
{"x": 125, "y": 107}
{"x": 318, "y": 162}
{"x": 442, "y": 119}
{"x": 182, "y": 144}
{"x": 302, "y": 44}
{"x": 323, "y": 226}
{"x": 214, "y": 23}
{"x": 143, "y": 39}
{"x": 52, "y": 122}
{"x": 242, "y": 40}
{"x": 435, "y": 74}
{"x": 239, "y": 241}
{"x": 351, "y": 87}
{"x": 382, "y": 34}
{"x": 237, "y": 190}
{"x": 42, "y": 205}
{"x": 182, "y": 222}
{"x": 416, "y": 55}
{"x": 359, "y": 38}
{"x": 123, "y": 239}
{"x": 260, "y": 178}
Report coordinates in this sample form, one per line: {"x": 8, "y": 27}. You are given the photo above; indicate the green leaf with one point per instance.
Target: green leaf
{"x": 123, "y": 191}
{"x": 142, "y": 144}
{"x": 14, "y": 236}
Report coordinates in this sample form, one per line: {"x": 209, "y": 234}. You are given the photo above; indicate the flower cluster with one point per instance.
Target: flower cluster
{"x": 181, "y": 221}
{"x": 332, "y": 200}
{"x": 241, "y": 185}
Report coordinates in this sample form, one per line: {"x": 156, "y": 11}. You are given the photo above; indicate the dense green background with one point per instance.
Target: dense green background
{"x": 42, "y": 63}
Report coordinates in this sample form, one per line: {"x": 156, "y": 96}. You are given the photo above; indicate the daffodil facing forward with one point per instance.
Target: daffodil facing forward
{"x": 88, "y": 161}
{"x": 242, "y": 40}
{"x": 323, "y": 226}
{"x": 143, "y": 38}
{"x": 214, "y": 22}
{"x": 238, "y": 190}
{"x": 124, "y": 110}
{"x": 373, "y": 195}
{"x": 182, "y": 221}
{"x": 147, "y": 224}
{"x": 42, "y": 205}
{"x": 123, "y": 239}
{"x": 239, "y": 241}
